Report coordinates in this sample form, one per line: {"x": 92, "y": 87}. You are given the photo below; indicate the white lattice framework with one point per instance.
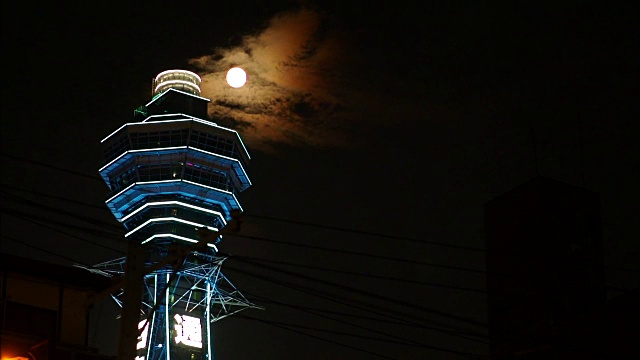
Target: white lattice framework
{"x": 198, "y": 288}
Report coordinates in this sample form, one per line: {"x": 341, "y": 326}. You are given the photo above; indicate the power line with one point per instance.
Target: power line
{"x": 363, "y": 274}
{"x": 404, "y": 342}
{"x": 333, "y": 250}
{"x": 18, "y": 158}
{"x": 416, "y": 344}
{"x": 371, "y": 295}
{"x": 333, "y": 298}
{"x": 335, "y": 228}
{"x": 110, "y": 226}
{"x": 68, "y": 234}
{"x": 88, "y": 219}
{"x": 25, "y": 218}
{"x": 362, "y": 232}
{"x": 322, "y": 339}
{"x": 99, "y": 207}
{"x": 367, "y": 307}
{"x": 60, "y": 255}
{"x": 314, "y": 311}
{"x": 424, "y": 345}
{"x": 388, "y": 320}
{"x": 623, "y": 269}
{"x": 118, "y": 231}
{"x": 315, "y": 292}
{"x": 288, "y": 325}
{"x": 306, "y": 223}
{"x": 316, "y": 280}
{"x": 43, "y": 250}
{"x": 368, "y": 233}
{"x": 623, "y": 290}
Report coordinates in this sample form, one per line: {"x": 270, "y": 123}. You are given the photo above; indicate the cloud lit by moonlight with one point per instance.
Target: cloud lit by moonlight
{"x": 293, "y": 97}
{"x": 309, "y": 86}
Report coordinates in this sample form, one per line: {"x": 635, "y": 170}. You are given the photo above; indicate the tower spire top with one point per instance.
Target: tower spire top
{"x": 183, "y": 80}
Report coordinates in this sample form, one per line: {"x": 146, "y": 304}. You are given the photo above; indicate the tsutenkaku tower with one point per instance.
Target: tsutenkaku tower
{"x": 171, "y": 174}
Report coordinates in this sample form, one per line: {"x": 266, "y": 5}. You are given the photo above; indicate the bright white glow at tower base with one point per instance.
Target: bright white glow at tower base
{"x": 142, "y": 338}
{"x": 236, "y": 77}
{"x": 188, "y": 330}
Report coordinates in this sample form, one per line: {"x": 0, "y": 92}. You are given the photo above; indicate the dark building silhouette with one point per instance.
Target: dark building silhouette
{"x": 545, "y": 268}
{"x": 44, "y": 310}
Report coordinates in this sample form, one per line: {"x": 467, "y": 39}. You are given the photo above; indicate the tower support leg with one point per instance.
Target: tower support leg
{"x": 133, "y": 280}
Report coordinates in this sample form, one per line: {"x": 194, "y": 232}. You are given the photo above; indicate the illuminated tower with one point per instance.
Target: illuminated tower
{"x": 173, "y": 173}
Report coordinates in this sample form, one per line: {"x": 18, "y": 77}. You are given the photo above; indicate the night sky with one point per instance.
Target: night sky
{"x": 377, "y": 134}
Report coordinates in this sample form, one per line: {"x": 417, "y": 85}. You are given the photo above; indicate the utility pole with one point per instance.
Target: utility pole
{"x": 130, "y": 316}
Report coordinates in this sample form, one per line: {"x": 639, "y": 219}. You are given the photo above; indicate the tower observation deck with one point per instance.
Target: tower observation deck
{"x": 171, "y": 173}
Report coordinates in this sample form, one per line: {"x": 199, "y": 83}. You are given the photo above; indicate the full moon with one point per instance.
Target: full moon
{"x": 236, "y": 77}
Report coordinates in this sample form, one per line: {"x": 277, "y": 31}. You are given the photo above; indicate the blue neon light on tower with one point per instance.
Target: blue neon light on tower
{"x": 171, "y": 173}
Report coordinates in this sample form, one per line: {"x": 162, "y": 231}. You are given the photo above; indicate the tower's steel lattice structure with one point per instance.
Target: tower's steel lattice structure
{"x": 172, "y": 173}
